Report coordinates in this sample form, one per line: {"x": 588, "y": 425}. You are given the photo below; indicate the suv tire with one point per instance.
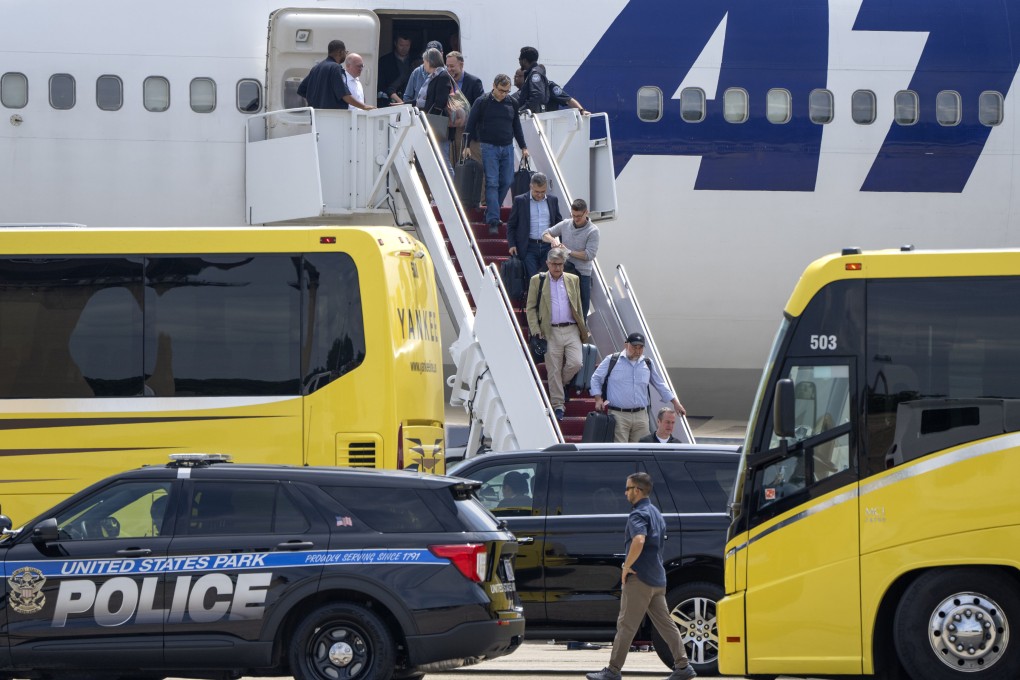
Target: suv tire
{"x": 342, "y": 641}
{"x": 693, "y": 607}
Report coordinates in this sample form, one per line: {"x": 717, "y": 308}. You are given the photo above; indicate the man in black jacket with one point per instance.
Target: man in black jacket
{"x": 664, "y": 432}
{"x": 495, "y": 123}
{"x": 535, "y": 90}
{"x": 530, "y": 215}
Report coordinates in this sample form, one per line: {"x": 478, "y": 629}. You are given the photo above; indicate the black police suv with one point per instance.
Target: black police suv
{"x": 211, "y": 569}
{"x": 566, "y": 505}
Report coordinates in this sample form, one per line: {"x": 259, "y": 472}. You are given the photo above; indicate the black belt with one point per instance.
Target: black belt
{"x": 569, "y": 323}
{"x": 536, "y": 240}
{"x": 627, "y": 410}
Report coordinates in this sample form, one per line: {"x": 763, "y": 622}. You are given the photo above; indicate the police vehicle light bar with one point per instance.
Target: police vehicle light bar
{"x": 195, "y": 459}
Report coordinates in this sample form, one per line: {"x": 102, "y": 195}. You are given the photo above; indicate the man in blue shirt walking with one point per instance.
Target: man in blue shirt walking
{"x": 644, "y": 584}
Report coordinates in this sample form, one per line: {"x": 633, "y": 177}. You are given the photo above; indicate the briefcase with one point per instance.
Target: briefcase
{"x": 599, "y": 427}
{"x": 522, "y": 178}
{"x": 512, "y": 272}
{"x": 468, "y": 182}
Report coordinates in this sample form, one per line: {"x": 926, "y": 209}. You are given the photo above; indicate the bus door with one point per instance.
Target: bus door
{"x": 804, "y": 527}
{"x": 299, "y": 39}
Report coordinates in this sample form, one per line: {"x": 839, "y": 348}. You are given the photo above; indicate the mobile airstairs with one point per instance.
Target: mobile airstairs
{"x": 306, "y": 166}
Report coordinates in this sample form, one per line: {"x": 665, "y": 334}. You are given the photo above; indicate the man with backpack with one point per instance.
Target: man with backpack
{"x": 620, "y": 383}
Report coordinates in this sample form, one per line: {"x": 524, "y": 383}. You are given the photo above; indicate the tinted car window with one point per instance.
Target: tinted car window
{"x": 388, "y": 510}
{"x": 508, "y": 490}
{"x": 715, "y": 482}
{"x": 700, "y": 486}
{"x": 249, "y": 508}
{"x": 596, "y": 489}
{"x": 681, "y": 485}
{"x": 128, "y": 510}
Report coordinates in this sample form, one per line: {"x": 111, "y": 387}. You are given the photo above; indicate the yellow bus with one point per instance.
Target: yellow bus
{"x": 876, "y": 520}
{"x": 304, "y": 346}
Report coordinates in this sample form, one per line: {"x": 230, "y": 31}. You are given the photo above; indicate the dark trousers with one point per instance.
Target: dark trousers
{"x": 585, "y": 293}
{"x": 534, "y": 258}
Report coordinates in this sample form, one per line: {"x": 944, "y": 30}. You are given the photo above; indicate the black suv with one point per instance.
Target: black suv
{"x": 566, "y": 505}
{"x": 207, "y": 569}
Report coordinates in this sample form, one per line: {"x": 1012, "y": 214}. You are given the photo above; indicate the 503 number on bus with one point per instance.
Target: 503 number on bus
{"x": 822, "y": 342}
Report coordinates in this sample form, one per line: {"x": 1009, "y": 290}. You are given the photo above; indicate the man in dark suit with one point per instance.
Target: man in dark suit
{"x": 664, "y": 432}
{"x": 532, "y": 213}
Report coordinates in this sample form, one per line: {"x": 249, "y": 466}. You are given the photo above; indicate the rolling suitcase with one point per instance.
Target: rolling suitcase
{"x": 512, "y": 273}
{"x": 599, "y": 427}
{"x": 589, "y": 360}
{"x": 467, "y": 179}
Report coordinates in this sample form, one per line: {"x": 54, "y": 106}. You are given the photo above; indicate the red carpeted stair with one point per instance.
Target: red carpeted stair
{"x": 495, "y": 249}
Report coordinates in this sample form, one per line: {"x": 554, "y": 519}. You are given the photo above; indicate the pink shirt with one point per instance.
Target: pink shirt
{"x": 560, "y": 302}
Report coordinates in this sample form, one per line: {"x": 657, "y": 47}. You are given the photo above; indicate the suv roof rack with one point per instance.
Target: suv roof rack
{"x": 181, "y": 460}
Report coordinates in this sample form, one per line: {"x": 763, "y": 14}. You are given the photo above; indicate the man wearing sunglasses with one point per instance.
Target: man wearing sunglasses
{"x": 644, "y": 584}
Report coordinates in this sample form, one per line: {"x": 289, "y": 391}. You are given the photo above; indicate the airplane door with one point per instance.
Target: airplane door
{"x": 298, "y": 39}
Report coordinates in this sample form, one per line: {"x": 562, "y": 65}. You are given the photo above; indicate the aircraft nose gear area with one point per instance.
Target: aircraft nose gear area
{"x": 968, "y": 631}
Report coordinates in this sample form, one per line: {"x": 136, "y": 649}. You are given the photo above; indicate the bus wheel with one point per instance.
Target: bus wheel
{"x": 692, "y": 608}
{"x": 954, "y": 623}
{"x": 342, "y": 642}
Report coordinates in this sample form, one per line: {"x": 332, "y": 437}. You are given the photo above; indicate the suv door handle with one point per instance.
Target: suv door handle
{"x": 295, "y": 545}
{"x": 525, "y": 540}
{"x": 134, "y": 552}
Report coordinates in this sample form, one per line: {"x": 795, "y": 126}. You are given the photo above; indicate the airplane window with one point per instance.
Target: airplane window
{"x": 990, "y": 108}
{"x": 62, "y": 91}
{"x": 203, "y": 95}
{"x": 778, "y": 106}
{"x": 109, "y": 93}
{"x": 249, "y": 96}
{"x": 905, "y": 107}
{"x": 820, "y": 106}
{"x": 14, "y": 90}
{"x": 649, "y": 104}
{"x": 692, "y": 104}
{"x": 156, "y": 93}
{"x": 735, "y": 105}
{"x": 948, "y": 108}
{"x": 863, "y": 107}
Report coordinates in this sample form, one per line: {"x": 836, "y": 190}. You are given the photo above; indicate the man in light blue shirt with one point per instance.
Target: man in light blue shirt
{"x": 623, "y": 389}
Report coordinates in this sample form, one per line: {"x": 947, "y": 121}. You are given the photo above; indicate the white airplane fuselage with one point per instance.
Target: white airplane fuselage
{"x": 716, "y": 219}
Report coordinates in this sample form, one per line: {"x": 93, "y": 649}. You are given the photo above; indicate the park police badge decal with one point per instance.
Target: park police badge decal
{"x": 26, "y": 583}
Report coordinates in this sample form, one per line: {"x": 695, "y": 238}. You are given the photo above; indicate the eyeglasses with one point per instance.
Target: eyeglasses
{"x": 504, "y": 90}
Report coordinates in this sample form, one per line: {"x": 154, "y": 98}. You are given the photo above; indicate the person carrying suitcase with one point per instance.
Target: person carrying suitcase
{"x": 555, "y": 314}
{"x": 620, "y": 383}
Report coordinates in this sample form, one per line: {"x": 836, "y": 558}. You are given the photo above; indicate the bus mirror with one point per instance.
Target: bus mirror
{"x": 45, "y": 531}
{"x": 783, "y": 409}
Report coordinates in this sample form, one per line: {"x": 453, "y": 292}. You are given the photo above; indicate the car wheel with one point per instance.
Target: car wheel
{"x": 692, "y": 606}
{"x": 955, "y": 623}
{"x": 342, "y": 642}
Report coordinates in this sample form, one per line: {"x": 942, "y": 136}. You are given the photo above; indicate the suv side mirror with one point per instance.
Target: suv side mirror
{"x": 45, "y": 531}
{"x": 783, "y": 409}
{"x": 5, "y": 524}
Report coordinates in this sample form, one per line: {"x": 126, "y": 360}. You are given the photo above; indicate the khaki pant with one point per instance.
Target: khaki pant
{"x": 630, "y": 427}
{"x": 562, "y": 360}
{"x": 636, "y": 599}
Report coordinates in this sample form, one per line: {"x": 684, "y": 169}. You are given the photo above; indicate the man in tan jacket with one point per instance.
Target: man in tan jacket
{"x": 556, "y": 316}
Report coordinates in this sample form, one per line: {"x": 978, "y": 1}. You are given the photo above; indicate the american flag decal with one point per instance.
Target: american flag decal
{"x": 343, "y": 521}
